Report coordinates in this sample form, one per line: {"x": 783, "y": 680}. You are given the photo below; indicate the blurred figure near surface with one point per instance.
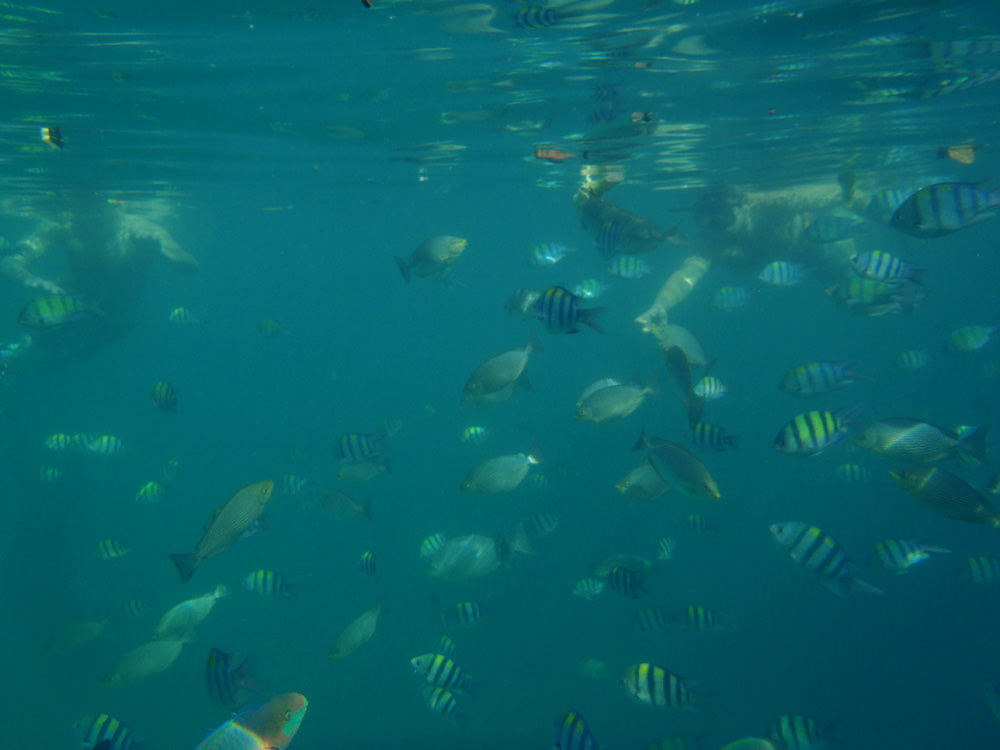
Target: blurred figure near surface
{"x": 742, "y": 229}
{"x": 101, "y": 253}
{"x": 106, "y": 254}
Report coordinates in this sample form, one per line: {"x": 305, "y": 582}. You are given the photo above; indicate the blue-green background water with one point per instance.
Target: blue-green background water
{"x": 298, "y": 150}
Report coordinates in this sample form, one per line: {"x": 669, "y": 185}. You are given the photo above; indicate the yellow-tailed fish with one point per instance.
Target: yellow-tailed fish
{"x": 679, "y": 467}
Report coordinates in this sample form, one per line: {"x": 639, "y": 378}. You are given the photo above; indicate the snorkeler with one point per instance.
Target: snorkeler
{"x": 108, "y": 254}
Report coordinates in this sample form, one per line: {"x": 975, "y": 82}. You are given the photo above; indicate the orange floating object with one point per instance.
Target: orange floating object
{"x": 553, "y": 155}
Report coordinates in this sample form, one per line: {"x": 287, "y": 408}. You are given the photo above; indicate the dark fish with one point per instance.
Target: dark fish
{"x": 559, "y": 309}
{"x": 713, "y": 437}
{"x": 948, "y": 495}
{"x": 679, "y": 467}
{"x": 230, "y": 522}
{"x": 680, "y": 370}
{"x": 628, "y": 583}
{"x": 164, "y": 396}
{"x": 229, "y": 684}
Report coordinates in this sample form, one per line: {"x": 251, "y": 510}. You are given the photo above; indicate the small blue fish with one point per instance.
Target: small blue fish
{"x": 729, "y": 298}
{"x": 885, "y": 267}
{"x": 815, "y": 378}
{"x": 590, "y": 289}
{"x": 826, "y": 228}
{"x": 629, "y": 267}
{"x": 548, "y": 254}
{"x": 782, "y": 273}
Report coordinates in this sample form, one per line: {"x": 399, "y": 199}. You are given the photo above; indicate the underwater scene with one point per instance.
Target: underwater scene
{"x": 565, "y": 374}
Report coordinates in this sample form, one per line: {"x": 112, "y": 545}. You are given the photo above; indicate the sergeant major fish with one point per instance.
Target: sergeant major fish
{"x": 559, "y": 309}
{"x": 817, "y": 551}
{"x": 942, "y": 208}
{"x": 811, "y": 433}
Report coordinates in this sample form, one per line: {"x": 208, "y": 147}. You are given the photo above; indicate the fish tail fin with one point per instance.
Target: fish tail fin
{"x": 641, "y": 442}
{"x": 857, "y": 586}
{"x": 974, "y": 445}
{"x": 404, "y": 268}
{"x": 853, "y": 372}
{"x": 917, "y": 275}
{"x": 366, "y": 508}
{"x": 934, "y": 548}
{"x": 185, "y": 564}
{"x": 695, "y": 405}
{"x": 850, "y": 416}
{"x": 731, "y": 441}
{"x": 587, "y": 317}
{"x": 535, "y": 343}
{"x": 520, "y": 542}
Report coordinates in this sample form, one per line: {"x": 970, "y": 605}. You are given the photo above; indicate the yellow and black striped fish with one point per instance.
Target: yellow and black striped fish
{"x": 656, "y": 686}
{"x": 164, "y": 396}
{"x": 367, "y": 563}
{"x": 811, "y": 433}
{"x": 465, "y": 614}
{"x": 111, "y": 549}
{"x": 54, "y": 311}
{"x": 269, "y": 583}
{"x": 440, "y": 671}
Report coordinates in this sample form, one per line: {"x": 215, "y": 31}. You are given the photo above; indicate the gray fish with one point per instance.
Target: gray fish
{"x": 357, "y": 634}
{"x": 679, "y": 467}
{"x": 642, "y": 484}
{"x": 612, "y": 402}
{"x": 912, "y": 440}
{"x": 468, "y": 556}
{"x": 500, "y": 371}
{"x": 432, "y": 257}
{"x": 146, "y": 660}
{"x": 498, "y": 474}
{"x": 229, "y": 523}
{"x": 942, "y": 492}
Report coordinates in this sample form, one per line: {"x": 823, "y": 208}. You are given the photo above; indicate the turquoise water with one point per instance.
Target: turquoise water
{"x": 294, "y": 152}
